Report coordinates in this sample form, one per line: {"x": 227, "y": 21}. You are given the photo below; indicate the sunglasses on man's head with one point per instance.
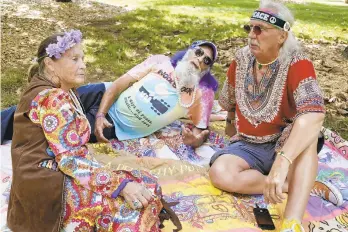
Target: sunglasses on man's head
{"x": 256, "y": 29}
{"x": 200, "y": 52}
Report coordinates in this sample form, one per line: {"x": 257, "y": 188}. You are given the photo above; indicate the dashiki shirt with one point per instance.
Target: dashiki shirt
{"x": 91, "y": 191}
{"x": 291, "y": 90}
{"x": 152, "y": 103}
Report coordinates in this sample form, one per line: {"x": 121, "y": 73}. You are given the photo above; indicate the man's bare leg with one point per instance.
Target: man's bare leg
{"x": 233, "y": 174}
{"x": 301, "y": 176}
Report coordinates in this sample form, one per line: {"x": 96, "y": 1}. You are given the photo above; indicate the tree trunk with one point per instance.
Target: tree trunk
{"x": 346, "y": 1}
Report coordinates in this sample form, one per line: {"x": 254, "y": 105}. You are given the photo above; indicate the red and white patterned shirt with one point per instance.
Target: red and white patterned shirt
{"x": 291, "y": 91}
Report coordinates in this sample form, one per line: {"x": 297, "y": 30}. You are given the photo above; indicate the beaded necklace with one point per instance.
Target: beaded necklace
{"x": 259, "y": 65}
{"x": 77, "y": 104}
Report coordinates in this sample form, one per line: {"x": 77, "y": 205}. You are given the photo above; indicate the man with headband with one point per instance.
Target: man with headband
{"x": 159, "y": 91}
{"x": 275, "y": 113}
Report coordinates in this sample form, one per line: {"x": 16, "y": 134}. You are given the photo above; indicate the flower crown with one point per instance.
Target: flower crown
{"x": 70, "y": 39}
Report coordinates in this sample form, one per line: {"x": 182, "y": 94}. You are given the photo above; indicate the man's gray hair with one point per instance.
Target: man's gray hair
{"x": 291, "y": 44}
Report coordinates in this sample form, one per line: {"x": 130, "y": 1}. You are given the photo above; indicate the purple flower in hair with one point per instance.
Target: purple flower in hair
{"x": 64, "y": 43}
{"x": 54, "y": 50}
{"x": 76, "y": 35}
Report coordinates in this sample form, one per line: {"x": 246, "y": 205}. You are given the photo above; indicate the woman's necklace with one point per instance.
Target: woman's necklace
{"x": 259, "y": 65}
{"x": 76, "y": 102}
{"x": 184, "y": 89}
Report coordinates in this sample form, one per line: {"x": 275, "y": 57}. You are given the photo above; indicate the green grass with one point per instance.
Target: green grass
{"x": 338, "y": 124}
{"x": 313, "y": 20}
{"x": 12, "y": 81}
{"x": 118, "y": 44}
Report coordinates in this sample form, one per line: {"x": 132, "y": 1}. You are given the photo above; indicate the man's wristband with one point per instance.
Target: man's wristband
{"x": 229, "y": 121}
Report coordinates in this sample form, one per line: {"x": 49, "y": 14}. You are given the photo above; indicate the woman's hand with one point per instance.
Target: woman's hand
{"x": 136, "y": 195}
{"x": 100, "y": 124}
{"x": 273, "y": 191}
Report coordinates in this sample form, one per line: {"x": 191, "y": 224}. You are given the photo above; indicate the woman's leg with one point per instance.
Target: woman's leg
{"x": 117, "y": 215}
{"x": 81, "y": 207}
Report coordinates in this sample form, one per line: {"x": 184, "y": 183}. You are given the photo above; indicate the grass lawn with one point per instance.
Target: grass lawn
{"x": 165, "y": 26}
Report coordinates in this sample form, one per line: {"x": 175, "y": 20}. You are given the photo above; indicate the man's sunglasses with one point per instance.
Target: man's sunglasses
{"x": 200, "y": 52}
{"x": 256, "y": 29}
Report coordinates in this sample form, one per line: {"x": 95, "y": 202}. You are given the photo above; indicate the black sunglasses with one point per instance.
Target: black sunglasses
{"x": 200, "y": 52}
{"x": 256, "y": 29}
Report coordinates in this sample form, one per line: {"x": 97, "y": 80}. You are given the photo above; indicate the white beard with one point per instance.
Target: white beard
{"x": 188, "y": 75}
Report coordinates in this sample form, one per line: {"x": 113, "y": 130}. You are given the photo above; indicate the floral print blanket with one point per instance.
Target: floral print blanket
{"x": 182, "y": 173}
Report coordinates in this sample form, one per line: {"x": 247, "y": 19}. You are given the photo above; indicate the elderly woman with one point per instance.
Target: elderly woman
{"x": 57, "y": 185}
{"x": 276, "y": 110}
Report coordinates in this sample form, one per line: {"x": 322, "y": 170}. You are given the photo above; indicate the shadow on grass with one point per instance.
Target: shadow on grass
{"x": 12, "y": 81}
{"x": 126, "y": 40}
{"x": 321, "y": 14}
{"x": 248, "y": 6}
{"x": 115, "y": 45}
{"x": 314, "y": 20}
{"x": 338, "y": 124}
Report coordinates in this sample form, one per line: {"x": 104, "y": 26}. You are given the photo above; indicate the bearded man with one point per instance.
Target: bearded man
{"x": 159, "y": 91}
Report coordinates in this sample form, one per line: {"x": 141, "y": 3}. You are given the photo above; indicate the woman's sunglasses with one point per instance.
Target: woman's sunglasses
{"x": 256, "y": 29}
{"x": 200, "y": 52}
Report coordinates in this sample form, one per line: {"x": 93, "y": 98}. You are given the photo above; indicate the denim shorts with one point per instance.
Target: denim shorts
{"x": 259, "y": 156}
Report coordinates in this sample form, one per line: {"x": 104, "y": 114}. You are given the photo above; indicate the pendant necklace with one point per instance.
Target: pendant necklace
{"x": 259, "y": 65}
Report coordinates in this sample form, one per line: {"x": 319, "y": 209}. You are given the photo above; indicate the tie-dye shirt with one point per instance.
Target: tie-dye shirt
{"x": 152, "y": 102}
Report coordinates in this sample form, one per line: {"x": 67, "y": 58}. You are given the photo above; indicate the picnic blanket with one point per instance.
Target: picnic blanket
{"x": 182, "y": 173}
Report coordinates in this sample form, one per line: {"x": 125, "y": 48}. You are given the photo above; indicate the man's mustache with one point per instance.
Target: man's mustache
{"x": 253, "y": 42}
